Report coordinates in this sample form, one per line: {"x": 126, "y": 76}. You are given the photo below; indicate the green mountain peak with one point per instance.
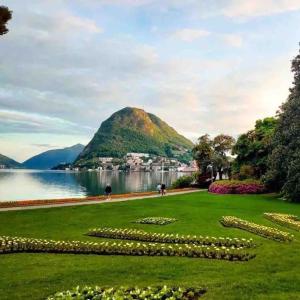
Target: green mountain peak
{"x": 134, "y": 130}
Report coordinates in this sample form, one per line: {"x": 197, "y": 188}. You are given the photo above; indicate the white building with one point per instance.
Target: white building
{"x": 137, "y": 155}
{"x": 105, "y": 160}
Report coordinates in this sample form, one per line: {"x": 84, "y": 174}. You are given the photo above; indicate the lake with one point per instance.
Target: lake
{"x": 40, "y": 184}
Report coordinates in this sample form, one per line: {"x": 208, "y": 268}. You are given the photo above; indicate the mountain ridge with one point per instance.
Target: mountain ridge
{"x": 8, "y": 162}
{"x": 52, "y": 158}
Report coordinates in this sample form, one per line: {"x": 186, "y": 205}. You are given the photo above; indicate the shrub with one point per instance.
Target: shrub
{"x": 264, "y": 231}
{"x": 141, "y": 235}
{"x": 183, "y": 182}
{"x": 18, "y": 244}
{"x": 160, "y": 292}
{"x": 156, "y": 220}
{"x": 237, "y": 187}
{"x": 246, "y": 172}
{"x": 286, "y": 220}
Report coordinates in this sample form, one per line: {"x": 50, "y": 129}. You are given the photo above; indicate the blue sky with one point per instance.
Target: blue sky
{"x": 202, "y": 66}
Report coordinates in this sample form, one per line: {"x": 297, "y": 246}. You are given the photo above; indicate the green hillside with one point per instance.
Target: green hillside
{"x": 134, "y": 130}
{"x": 8, "y": 162}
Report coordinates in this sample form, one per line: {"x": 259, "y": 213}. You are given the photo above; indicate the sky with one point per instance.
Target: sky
{"x": 203, "y": 66}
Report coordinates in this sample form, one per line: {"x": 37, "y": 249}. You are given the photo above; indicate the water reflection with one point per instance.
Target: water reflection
{"x": 35, "y": 184}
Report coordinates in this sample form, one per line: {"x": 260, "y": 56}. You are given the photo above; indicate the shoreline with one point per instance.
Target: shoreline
{"x": 7, "y": 205}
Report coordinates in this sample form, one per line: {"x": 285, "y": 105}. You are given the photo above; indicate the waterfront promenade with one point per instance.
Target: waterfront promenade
{"x": 36, "y": 204}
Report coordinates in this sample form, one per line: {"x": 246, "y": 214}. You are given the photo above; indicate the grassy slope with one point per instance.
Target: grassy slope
{"x": 273, "y": 274}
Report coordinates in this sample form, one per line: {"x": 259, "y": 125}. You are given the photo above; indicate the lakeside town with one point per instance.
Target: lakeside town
{"x": 135, "y": 162}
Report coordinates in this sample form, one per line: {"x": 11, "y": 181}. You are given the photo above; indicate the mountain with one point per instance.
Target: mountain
{"x": 134, "y": 130}
{"x": 8, "y": 162}
{"x": 52, "y": 158}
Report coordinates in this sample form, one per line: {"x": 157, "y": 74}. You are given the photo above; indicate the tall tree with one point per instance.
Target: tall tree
{"x": 203, "y": 152}
{"x": 252, "y": 148}
{"x": 5, "y": 16}
{"x": 222, "y": 144}
{"x": 284, "y": 162}
{"x": 213, "y": 151}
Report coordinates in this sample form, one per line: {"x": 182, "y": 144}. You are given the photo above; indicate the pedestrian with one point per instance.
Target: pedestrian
{"x": 108, "y": 191}
{"x": 163, "y": 189}
{"x": 158, "y": 188}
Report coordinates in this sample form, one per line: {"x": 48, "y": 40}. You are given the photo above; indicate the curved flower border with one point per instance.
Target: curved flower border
{"x": 290, "y": 221}
{"x": 19, "y": 244}
{"x": 141, "y": 235}
{"x": 158, "y": 292}
{"x": 156, "y": 220}
{"x": 264, "y": 231}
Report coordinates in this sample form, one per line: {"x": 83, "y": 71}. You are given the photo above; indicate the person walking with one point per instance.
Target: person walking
{"x": 108, "y": 191}
{"x": 163, "y": 189}
{"x": 158, "y": 188}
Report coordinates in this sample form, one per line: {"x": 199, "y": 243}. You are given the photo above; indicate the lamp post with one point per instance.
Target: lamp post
{"x": 162, "y": 171}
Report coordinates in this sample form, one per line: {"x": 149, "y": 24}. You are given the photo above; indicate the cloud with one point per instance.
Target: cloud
{"x": 190, "y": 34}
{"x": 44, "y": 145}
{"x": 14, "y": 121}
{"x": 197, "y": 8}
{"x": 233, "y": 40}
{"x": 255, "y": 8}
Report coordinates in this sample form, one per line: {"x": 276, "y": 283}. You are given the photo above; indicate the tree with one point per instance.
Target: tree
{"x": 253, "y": 148}
{"x": 5, "y": 16}
{"x": 284, "y": 161}
{"x": 222, "y": 144}
{"x": 213, "y": 151}
{"x": 203, "y": 152}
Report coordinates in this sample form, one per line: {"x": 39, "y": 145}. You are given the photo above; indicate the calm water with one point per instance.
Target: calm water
{"x": 36, "y": 184}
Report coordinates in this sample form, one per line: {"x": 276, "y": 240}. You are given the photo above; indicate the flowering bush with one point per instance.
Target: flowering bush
{"x": 264, "y": 231}
{"x": 237, "y": 187}
{"x": 183, "y": 182}
{"x": 290, "y": 221}
{"x": 156, "y": 220}
{"x": 18, "y": 244}
{"x": 140, "y": 235}
{"x": 108, "y": 293}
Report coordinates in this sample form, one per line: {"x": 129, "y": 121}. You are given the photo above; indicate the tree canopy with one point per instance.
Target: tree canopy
{"x": 284, "y": 161}
{"x": 213, "y": 151}
{"x": 252, "y": 148}
{"x": 5, "y": 16}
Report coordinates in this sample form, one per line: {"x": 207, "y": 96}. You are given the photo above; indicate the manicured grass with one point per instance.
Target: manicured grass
{"x": 273, "y": 274}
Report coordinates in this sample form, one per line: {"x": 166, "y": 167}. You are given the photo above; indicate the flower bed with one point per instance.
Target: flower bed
{"x": 286, "y": 220}
{"x": 237, "y": 187}
{"x": 18, "y": 244}
{"x": 160, "y": 292}
{"x": 264, "y": 231}
{"x": 156, "y": 220}
{"x": 140, "y": 235}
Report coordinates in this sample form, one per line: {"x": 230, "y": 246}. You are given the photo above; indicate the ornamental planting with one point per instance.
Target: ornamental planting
{"x": 156, "y": 220}
{"x": 139, "y": 293}
{"x": 264, "y": 231}
{"x": 141, "y": 235}
{"x": 237, "y": 187}
{"x": 19, "y": 244}
{"x": 290, "y": 221}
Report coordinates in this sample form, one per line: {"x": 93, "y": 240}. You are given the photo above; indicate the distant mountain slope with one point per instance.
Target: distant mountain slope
{"x": 134, "y": 130}
{"x": 51, "y": 158}
{"x": 8, "y": 162}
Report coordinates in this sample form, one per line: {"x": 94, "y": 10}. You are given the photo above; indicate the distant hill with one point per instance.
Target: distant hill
{"x": 134, "y": 130}
{"x": 52, "y": 158}
{"x": 9, "y": 163}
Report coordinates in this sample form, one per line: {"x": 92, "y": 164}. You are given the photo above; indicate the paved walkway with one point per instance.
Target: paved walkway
{"x": 98, "y": 202}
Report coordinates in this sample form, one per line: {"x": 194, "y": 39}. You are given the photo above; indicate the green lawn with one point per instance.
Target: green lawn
{"x": 273, "y": 274}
